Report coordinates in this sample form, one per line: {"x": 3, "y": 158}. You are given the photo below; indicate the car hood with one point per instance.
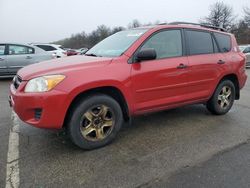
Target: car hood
{"x": 61, "y": 66}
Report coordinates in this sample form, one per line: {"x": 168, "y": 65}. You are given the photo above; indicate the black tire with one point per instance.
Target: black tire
{"x": 74, "y": 124}
{"x": 215, "y": 104}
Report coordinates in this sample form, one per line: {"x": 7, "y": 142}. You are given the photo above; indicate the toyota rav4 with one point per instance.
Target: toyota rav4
{"x": 130, "y": 73}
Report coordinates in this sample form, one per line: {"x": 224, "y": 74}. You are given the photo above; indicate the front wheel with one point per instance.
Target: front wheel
{"x": 95, "y": 122}
{"x": 223, "y": 98}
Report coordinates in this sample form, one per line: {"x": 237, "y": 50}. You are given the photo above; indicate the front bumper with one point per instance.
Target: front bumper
{"x": 43, "y": 110}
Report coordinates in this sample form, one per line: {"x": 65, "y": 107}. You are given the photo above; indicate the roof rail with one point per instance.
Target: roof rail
{"x": 196, "y": 24}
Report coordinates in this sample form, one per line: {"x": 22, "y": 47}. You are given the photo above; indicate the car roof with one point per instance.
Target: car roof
{"x": 48, "y": 44}
{"x": 21, "y": 44}
{"x": 187, "y": 26}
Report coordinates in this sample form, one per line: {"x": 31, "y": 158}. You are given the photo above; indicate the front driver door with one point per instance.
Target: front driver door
{"x": 162, "y": 82}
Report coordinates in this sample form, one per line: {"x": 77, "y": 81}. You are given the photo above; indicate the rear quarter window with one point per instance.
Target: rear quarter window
{"x": 46, "y": 47}
{"x": 224, "y": 42}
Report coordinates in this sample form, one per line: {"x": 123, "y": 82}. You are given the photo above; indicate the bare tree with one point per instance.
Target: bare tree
{"x": 117, "y": 29}
{"x": 134, "y": 24}
{"x": 241, "y": 32}
{"x": 247, "y": 16}
{"x": 221, "y": 15}
{"x": 80, "y": 40}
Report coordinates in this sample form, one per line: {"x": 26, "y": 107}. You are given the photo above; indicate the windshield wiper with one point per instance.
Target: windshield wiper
{"x": 93, "y": 55}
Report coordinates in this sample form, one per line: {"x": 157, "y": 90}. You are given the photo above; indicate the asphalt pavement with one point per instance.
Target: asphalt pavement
{"x": 183, "y": 147}
{"x": 230, "y": 168}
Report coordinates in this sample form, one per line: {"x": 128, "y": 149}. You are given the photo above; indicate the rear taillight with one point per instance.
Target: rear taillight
{"x": 245, "y": 60}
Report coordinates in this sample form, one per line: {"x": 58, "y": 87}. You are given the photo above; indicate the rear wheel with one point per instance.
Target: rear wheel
{"x": 95, "y": 122}
{"x": 223, "y": 98}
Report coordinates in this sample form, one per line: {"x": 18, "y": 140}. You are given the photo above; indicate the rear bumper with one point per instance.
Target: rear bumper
{"x": 43, "y": 110}
{"x": 242, "y": 80}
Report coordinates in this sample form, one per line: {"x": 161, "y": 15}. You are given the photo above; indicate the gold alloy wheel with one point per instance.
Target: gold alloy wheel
{"x": 225, "y": 97}
{"x": 97, "y": 123}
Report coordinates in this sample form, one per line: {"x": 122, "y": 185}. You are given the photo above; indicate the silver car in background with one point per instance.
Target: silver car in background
{"x": 15, "y": 56}
{"x": 246, "y": 50}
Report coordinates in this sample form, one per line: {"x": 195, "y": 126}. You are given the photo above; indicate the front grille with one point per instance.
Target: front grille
{"x": 38, "y": 113}
{"x": 17, "y": 81}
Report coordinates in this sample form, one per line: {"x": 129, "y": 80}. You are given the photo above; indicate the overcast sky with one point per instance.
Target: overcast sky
{"x": 50, "y": 20}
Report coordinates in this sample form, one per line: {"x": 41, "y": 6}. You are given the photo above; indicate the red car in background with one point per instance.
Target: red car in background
{"x": 71, "y": 52}
{"x": 130, "y": 73}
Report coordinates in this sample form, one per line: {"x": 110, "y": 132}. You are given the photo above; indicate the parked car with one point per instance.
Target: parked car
{"x": 71, "y": 52}
{"x": 246, "y": 50}
{"x": 56, "y": 49}
{"x": 132, "y": 72}
{"x": 82, "y": 50}
{"x": 15, "y": 56}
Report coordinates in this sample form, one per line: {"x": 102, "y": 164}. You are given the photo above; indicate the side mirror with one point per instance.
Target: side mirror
{"x": 146, "y": 54}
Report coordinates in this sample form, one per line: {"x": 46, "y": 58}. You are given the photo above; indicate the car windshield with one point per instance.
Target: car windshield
{"x": 116, "y": 44}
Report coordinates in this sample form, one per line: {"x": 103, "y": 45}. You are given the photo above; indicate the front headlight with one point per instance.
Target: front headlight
{"x": 43, "y": 83}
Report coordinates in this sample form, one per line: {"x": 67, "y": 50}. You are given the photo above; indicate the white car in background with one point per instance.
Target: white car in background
{"x": 56, "y": 49}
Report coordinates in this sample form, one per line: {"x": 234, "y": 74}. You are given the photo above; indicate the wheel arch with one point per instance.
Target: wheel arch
{"x": 232, "y": 77}
{"x": 111, "y": 91}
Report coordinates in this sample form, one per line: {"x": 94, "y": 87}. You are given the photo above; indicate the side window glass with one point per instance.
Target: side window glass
{"x": 46, "y": 47}
{"x": 2, "y": 49}
{"x": 19, "y": 50}
{"x": 199, "y": 42}
{"x": 224, "y": 42}
{"x": 166, "y": 44}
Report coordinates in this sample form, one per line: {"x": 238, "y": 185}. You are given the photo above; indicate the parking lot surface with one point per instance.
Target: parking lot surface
{"x": 184, "y": 147}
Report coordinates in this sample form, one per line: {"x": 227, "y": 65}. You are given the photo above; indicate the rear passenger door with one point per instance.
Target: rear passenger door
{"x": 18, "y": 56}
{"x": 204, "y": 63}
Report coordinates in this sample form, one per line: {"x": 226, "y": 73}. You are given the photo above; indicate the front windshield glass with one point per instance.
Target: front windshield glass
{"x": 116, "y": 44}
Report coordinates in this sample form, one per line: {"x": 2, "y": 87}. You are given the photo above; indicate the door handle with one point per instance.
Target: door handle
{"x": 28, "y": 57}
{"x": 182, "y": 66}
{"x": 1, "y": 59}
{"x": 221, "y": 62}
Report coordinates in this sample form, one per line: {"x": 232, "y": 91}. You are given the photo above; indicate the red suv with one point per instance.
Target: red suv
{"x": 130, "y": 73}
